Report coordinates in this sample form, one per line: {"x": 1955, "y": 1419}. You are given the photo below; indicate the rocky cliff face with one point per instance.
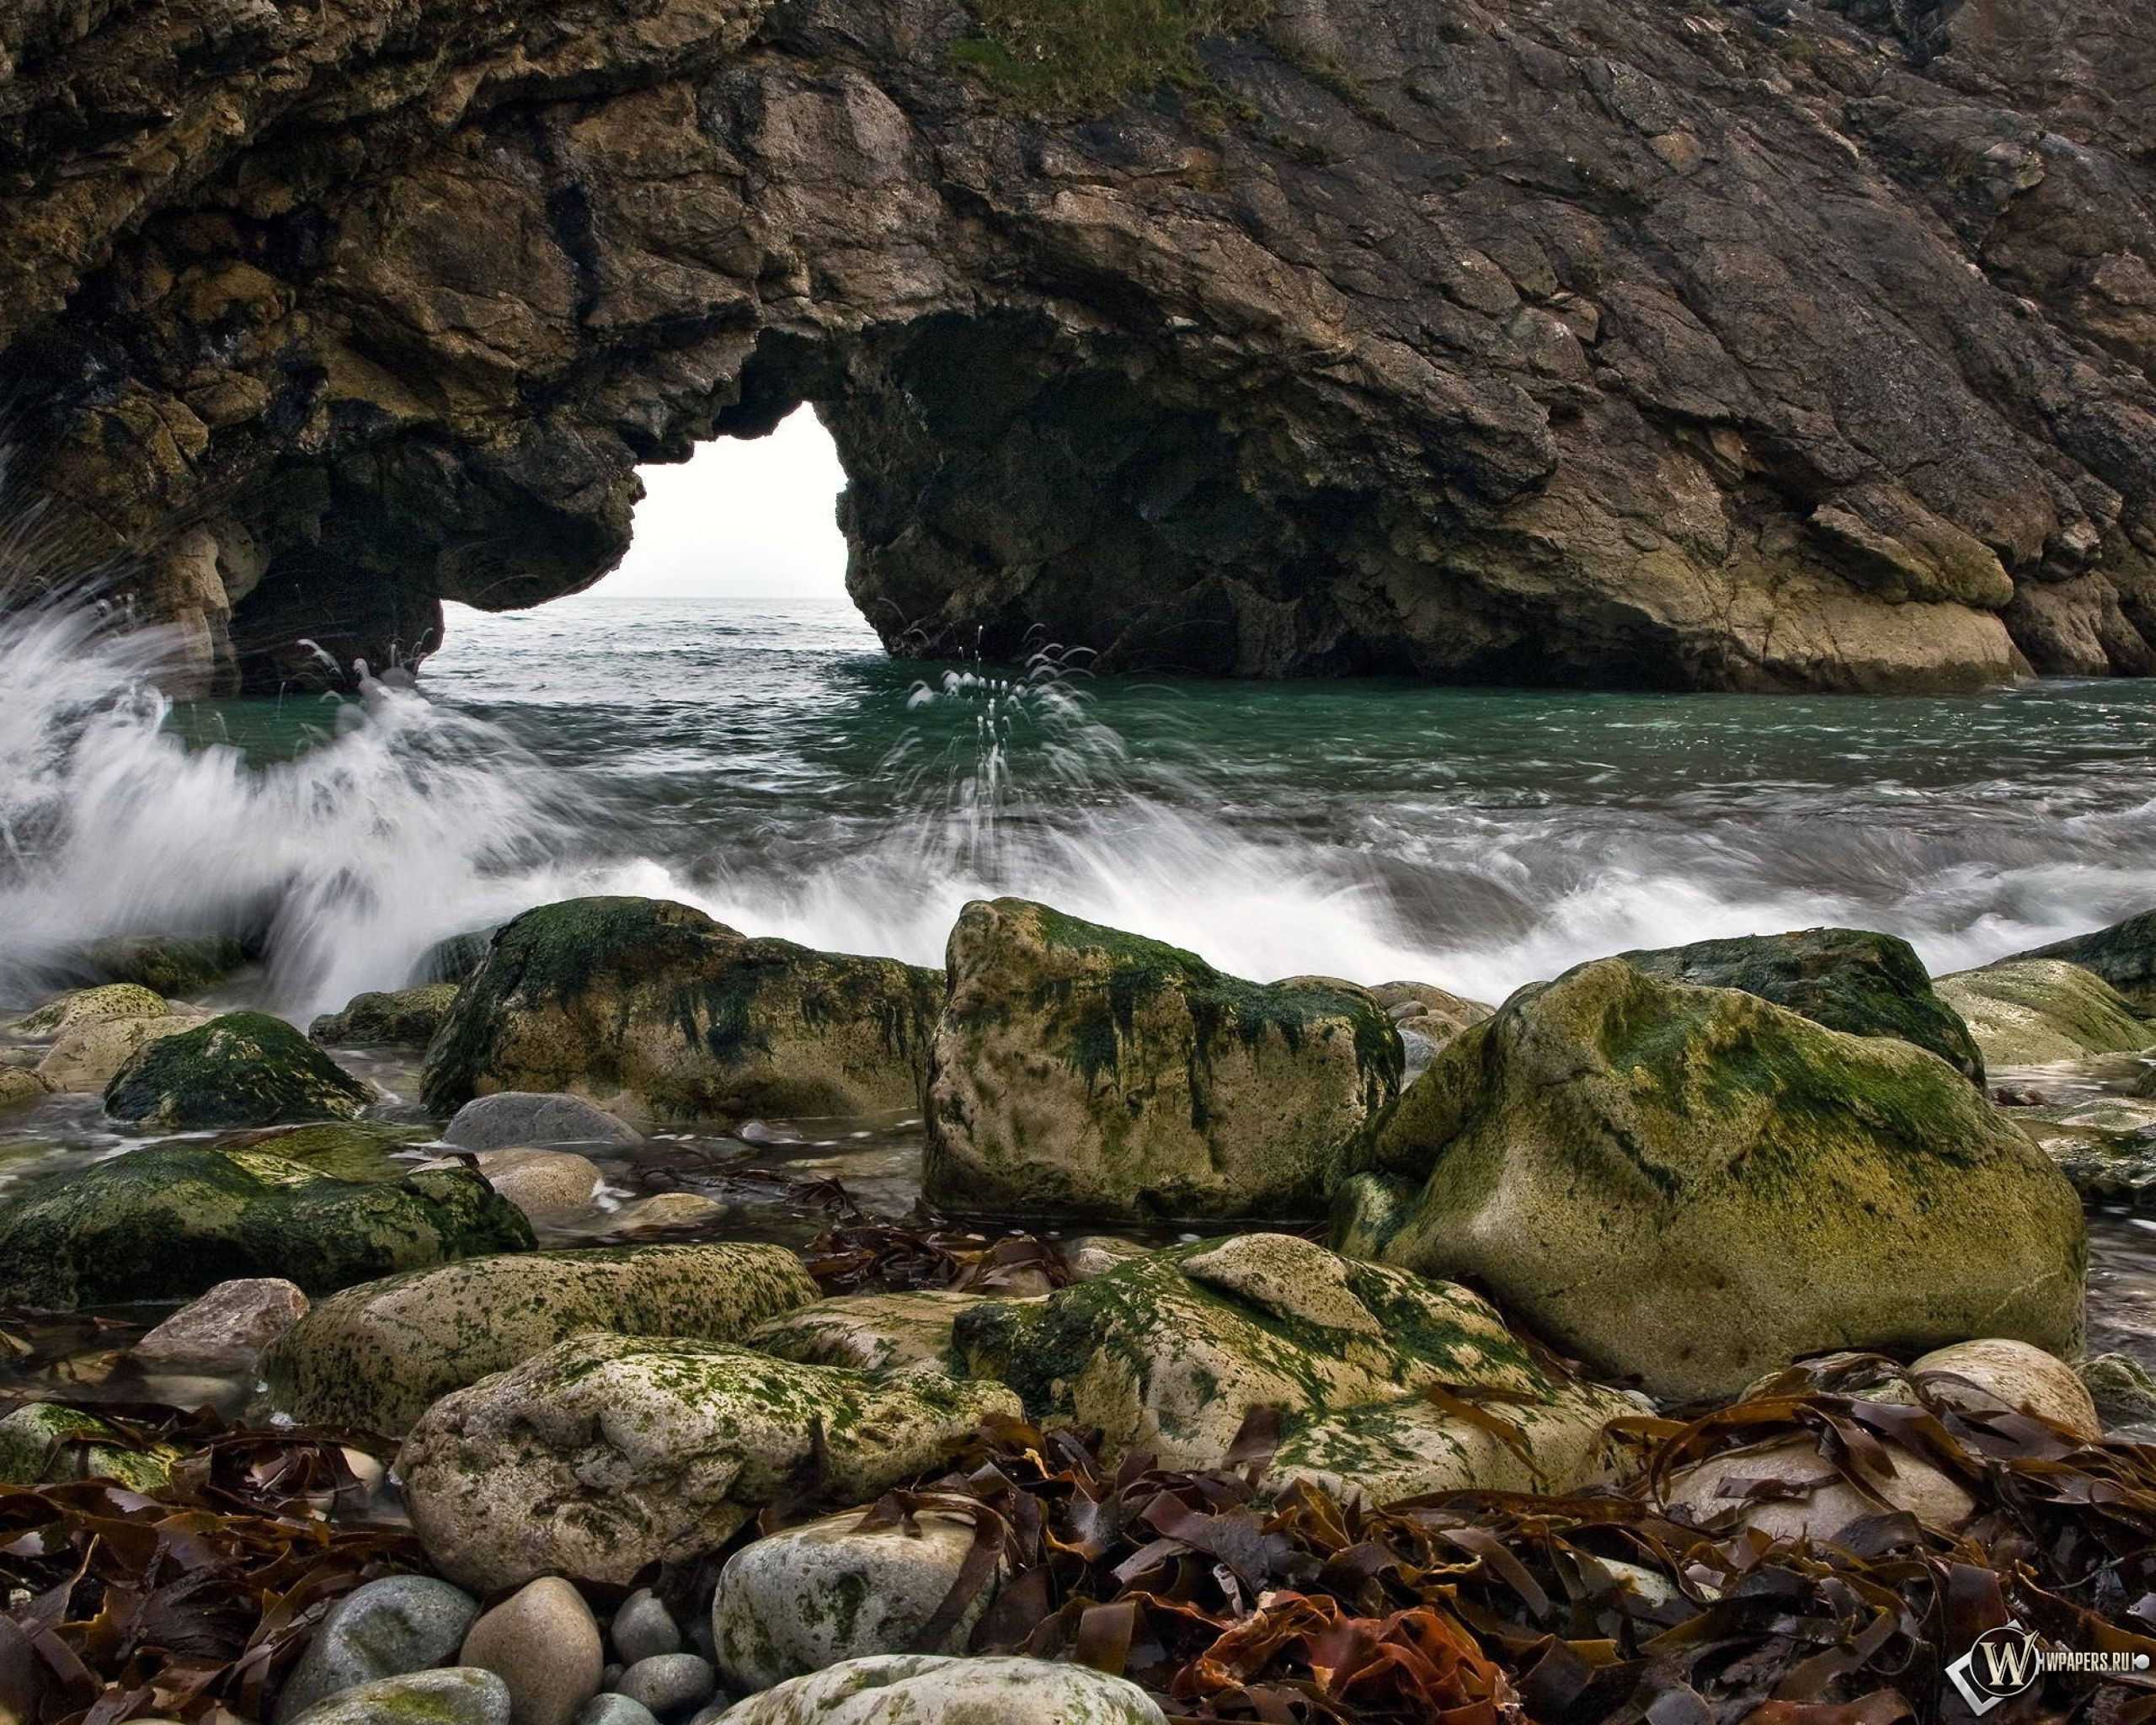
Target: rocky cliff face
{"x": 1613, "y": 340}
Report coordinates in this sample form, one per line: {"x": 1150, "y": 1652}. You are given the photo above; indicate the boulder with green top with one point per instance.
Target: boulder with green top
{"x": 244, "y": 1068}
{"x": 607, "y": 1453}
{"x": 1847, "y": 978}
{"x": 402, "y": 1018}
{"x": 2039, "y": 1011}
{"x": 1694, "y": 1186}
{"x": 653, "y": 1010}
{"x": 1082, "y": 1071}
{"x": 378, "y": 1354}
{"x": 90, "y": 1006}
{"x": 1170, "y": 1354}
{"x": 43, "y": 1445}
{"x": 2123, "y": 954}
{"x": 169, "y": 1222}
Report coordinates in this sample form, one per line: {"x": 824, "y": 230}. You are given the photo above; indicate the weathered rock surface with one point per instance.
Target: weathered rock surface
{"x": 459, "y": 1695}
{"x": 385, "y": 1628}
{"x": 225, "y": 1330}
{"x": 1810, "y": 1498}
{"x": 511, "y": 1119}
{"x": 2123, "y": 954}
{"x": 1169, "y": 1353}
{"x": 653, "y": 1010}
{"x": 1079, "y": 1070}
{"x": 923, "y": 1689}
{"x": 20, "y": 1085}
{"x": 376, "y": 1356}
{"x": 607, "y": 1452}
{"x": 89, "y": 1054}
{"x": 545, "y": 1184}
{"x": 1575, "y": 341}
{"x": 544, "y": 1642}
{"x": 2035, "y": 1012}
{"x": 244, "y": 1068}
{"x": 1696, "y": 1186}
{"x": 172, "y": 1220}
{"x": 102, "y": 1004}
{"x": 1992, "y": 1373}
{"x": 1847, "y": 978}
{"x": 409, "y": 1016}
{"x": 2105, "y": 1164}
{"x": 869, "y": 1332}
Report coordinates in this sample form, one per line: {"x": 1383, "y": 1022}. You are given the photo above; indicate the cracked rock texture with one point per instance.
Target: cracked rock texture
{"x": 1790, "y": 346}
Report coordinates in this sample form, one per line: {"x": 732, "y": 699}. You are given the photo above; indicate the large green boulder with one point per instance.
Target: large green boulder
{"x": 409, "y": 1016}
{"x": 1694, "y": 1186}
{"x": 657, "y": 1013}
{"x": 377, "y": 1355}
{"x": 2039, "y": 1011}
{"x": 1082, "y": 1071}
{"x": 171, "y": 1220}
{"x": 1169, "y": 1353}
{"x": 244, "y": 1068}
{"x": 607, "y": 1453}
{"x": 2124, "y": 955}
{"x": 1847, "y": 978}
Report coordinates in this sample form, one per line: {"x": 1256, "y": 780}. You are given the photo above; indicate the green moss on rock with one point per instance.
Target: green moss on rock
{"x": 43, "y": 1445}
{"x": 1075, "y": 59}
{"x": 244, "y": 1068}
{"x": 2041, "y": 1011}
{"x": 408, "y": 1015}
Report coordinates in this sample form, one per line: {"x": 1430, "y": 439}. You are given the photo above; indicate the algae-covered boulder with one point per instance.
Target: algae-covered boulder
{"x": 1695, "y": 1186}
{"x": 1078, "y": 1071}
{"x": 1170, "y": 1353}
{"x": 375, "y": 1356}
{"x": 170, "y": 964}
{"x": 20, "y": 1085}
{"x": 245, "y": 1069}
{"x": 102, "y": 1004}
{"x": 655, "y": 1011}
{"x": 1847, "y": 978}
{"x": 902, "y": 1332}
{"x": 172, "y": 1220}
{"x": 409, "y": 1017}
{"x": 927, "y": 1689}
{"x": 43, "y": 1445}
{"x": 607, "y": 1452}
{"x": 2124, "y": 955}
{"x": 2037, "y": 1012}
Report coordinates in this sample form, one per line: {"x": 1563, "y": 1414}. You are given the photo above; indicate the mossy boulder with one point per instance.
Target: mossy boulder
{"x": 244, "y": 1068}
{"x": 1847, "y": 978}
{"x": 90, "y": 1053}
{"x": 378, "y": 1354}
{"x": 902, "y": 1332}
{"x": 1694, "y": 1186}
{"x": 20, "y": 1085}
{"x": 1170, "y": 1353}
{"x": 169, "y": 1222}
{"x": 405, "y": 1017}
{"x": 2124, "y": 955}
{"x": 1082, "y": 1071}
{"x": 655, "y": 1011}
{"x": 43, "y": 1445}
{"x": 451, "y": 959}
{"x": 90, "y": 1006}
{"x": 169, "y": 964}
{"x": 606, "y": 1453}
{"x": 2039, "y": 1011}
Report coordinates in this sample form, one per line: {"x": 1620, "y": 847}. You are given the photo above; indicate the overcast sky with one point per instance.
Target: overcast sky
{"x": 741, "y": 517}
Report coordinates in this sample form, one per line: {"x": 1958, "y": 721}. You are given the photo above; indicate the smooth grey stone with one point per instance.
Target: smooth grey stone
{"x": 514, "y": 1119}
{"x": 643, "y": 1628}
{"x": 710, "y": 1714}
{"x": 616, "y": 1710}
{"x": 458, "y": 1696}
{"x": 669, "y": 1683}
{"x": 609, "y": 1675}
{"x": 387, "y": 1628}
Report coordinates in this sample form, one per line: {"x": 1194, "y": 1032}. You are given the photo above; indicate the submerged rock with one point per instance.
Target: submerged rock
{"x": 385, "y": 1628}
{"x": 1846, "y": 979}
{"x": 543, "y": 1183}
{"x": 378, "y": 1354}
{"x": 512, "y": 1118}
{"x": 2104, "y": 1164}
{"x": 1694, "y": 1186}
{"x": 870, "y": 1331}
{"x": 1079, "y": 1070}
{"x": 607, "y": 1452}
{"x": 407, "y": 1016}
{"x": 923, "y": 1689}
{"x": 244, "y": 1068}
{"x": 1169, "y": 1353}
{"x": 19, "y": 1085}
{"x": 653, "y": 1010}
{"x": 170, "y": 1222}
{"x": 225, "y": 1330}
{"x": 2123, "y": 1389}
{"x": 2037, "y": 1012}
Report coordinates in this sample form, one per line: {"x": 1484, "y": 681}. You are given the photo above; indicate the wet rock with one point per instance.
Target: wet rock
{"x": 610, "y": 1709}
{"x": 385, "y": 1628}
{"x": 923, "y": 1689}
{"x": 459, "y": 1695}
{"x": 1819, "y": 1502}
{"x": 540, "y": 1182}
{"x": 225, "y": 1330}
{"x": 1170, "y": 1353}
{"x": 1092, "y": 1255}
{"x": 169, "y": 964}
{"x": 2103, "y": 1166}
{"x": 515, "y": 1118}
{"x": 2122, "y": 955}
{"x": 1437, "y": 1014}
{"x": 1846, "y": 979}
{"x": 41, "y": 1444}
{"x": 643, "y": 1628}
{"x": 1079, "y": 1070}
{"x": 812, "y": 1596}
{"x": 653, "y": 1010}
{"x": 665, "y": 1212}
{"x": 2034, "y": 1012}
{"x": 110, "y": 1002}
{"x": 1995, "y": 1372}
{"x": 607, "y": 1452}
{"x": 1696, "y": 1186}
{"x": 19, "y": 1085}
{"x": 89, "y": 1055}
{"x": 406, "y": 1016}
{"x": 377, "y": 1355}
{"x": 670, "y": 1683}
{"x": 543, "y": 1641}
{"x": 170, "y": 1222}
{"x": 451, "y": 959}
{"x": 2123, "y": 1389}
{"x": 869, "y": 1332}
{"x": 245, "y": 1069}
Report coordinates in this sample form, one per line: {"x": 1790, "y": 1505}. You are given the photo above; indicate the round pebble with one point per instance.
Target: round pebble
{"x": 643, "y": 1628}
{"x": 669, "y": 1683}
{"x": 615, "y": 1709}
{"x": 544, "y": 1644}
